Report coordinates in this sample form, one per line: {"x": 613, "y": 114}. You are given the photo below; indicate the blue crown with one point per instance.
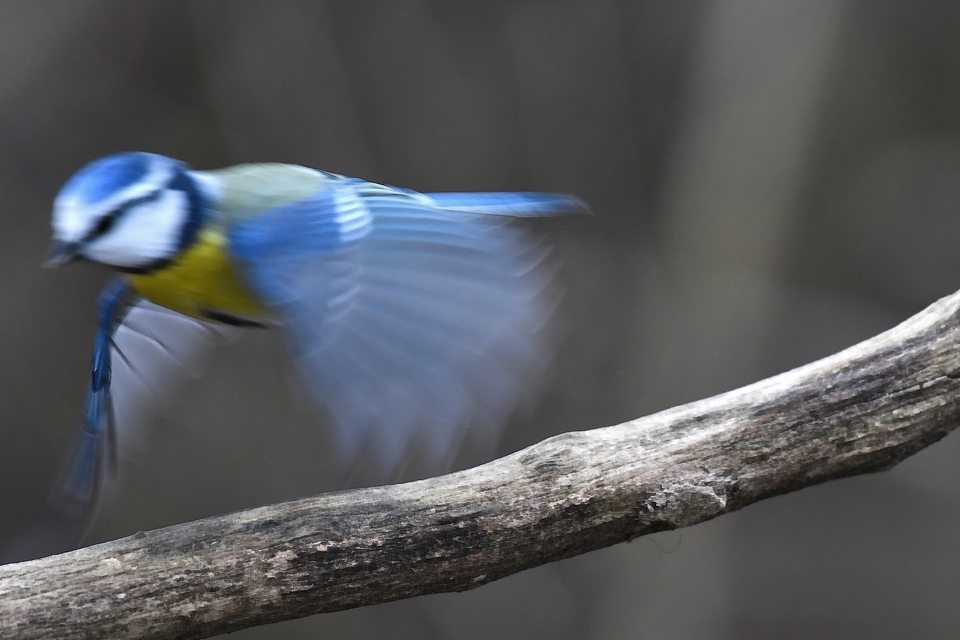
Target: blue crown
{"x": 102, "y": 178}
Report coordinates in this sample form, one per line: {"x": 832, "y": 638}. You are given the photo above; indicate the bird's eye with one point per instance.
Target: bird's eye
{"x": 105, "y": 223}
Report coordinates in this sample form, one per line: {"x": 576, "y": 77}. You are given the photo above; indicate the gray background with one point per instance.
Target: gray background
{"x": 772, "y": 181}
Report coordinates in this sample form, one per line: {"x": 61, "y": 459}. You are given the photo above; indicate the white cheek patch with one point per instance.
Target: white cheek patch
{"x": 143, "y": 234}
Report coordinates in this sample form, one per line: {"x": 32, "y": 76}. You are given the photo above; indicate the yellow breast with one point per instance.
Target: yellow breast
{"x": 201, "y": 280}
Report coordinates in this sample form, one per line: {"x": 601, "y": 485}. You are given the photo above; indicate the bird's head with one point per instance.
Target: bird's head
{"x": 131, "y": 211}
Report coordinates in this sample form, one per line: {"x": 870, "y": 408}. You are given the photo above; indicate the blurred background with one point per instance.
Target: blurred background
{"x": 772, "y": 181}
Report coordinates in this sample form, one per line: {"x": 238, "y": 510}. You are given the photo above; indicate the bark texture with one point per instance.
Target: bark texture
{"x": 862, "y": 410}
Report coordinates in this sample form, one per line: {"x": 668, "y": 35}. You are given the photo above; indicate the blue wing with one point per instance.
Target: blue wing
{"x": 79, "y": 481}
{"x": 411, "y": 316}
{"x": 140, "y": 354}
{"x": 519, "y": 205}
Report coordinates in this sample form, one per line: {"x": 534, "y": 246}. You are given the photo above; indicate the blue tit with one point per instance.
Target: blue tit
{"x": 408, "y": 316}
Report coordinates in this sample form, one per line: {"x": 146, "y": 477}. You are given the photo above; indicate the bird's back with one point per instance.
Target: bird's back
{"x": 245, "y": 190}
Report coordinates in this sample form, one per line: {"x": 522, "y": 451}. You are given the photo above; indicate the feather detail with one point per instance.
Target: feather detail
{"x": 143, "y": 353}
{"x": 518, "y": 205}
{"x": 409, "y": 321}
{"x": 77, "y": 488}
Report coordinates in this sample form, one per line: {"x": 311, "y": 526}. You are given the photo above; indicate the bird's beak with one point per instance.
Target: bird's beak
{"x": 62, "y": 253}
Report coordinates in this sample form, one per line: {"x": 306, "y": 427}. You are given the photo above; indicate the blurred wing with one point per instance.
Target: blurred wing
{"x": 143, "y": 356}
{"x": 155, "y": 353}
{"x": 407, "y": 319}
{"x": 518, "y": 205}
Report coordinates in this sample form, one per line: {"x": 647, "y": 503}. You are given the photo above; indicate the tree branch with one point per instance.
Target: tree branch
{"x": 862, "y": 410}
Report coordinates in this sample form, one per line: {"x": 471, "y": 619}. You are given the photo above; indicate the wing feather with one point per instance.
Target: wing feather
{"x": 416, "y": 322}
{"x": 144, "y": 356}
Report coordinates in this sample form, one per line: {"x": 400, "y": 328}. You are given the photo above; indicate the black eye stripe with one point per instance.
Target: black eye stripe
{"x": 109, "y": 220}
{"x": 106, "y": 223}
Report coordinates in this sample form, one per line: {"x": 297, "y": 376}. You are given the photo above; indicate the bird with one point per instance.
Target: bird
{"x": 407, "y": 315}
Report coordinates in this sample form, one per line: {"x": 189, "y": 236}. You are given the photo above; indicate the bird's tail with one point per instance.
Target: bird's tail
{"x": 519, "y": 205}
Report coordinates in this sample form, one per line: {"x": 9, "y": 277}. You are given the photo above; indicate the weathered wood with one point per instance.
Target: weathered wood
{"x": 861, "y": 410}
